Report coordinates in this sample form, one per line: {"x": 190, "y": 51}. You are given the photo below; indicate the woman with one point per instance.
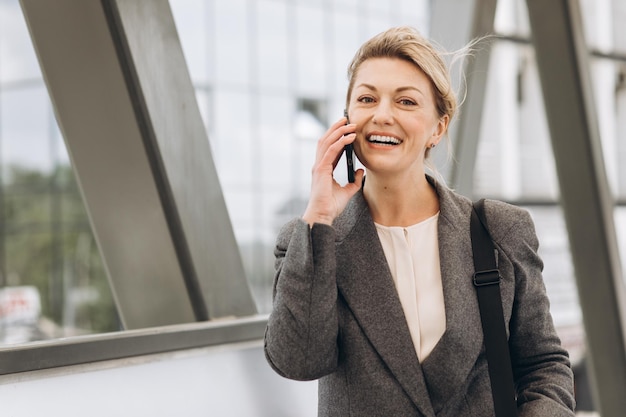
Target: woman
{"x": 373, "y": 293}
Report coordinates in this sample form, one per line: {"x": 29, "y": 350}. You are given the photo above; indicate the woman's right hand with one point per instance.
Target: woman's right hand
{"x": 328, "y": 198}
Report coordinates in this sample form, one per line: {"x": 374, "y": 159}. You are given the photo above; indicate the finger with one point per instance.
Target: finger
{"x": 346, "y": 140}
{"x": 339, "y": 128}
{"x": 332, "y": 136}
{"x": 336, "y": 125}
{"x": 353, "y": 187}
{"x": 358, "y": 177}
{"x": 335, "y": 151}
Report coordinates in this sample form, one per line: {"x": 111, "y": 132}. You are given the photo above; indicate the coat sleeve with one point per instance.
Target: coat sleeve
{"x": 301, "y": 334}
{"x": 543, "y": 376}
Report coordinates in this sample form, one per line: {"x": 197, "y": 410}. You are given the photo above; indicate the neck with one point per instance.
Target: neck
{"x": 400, "y": 202}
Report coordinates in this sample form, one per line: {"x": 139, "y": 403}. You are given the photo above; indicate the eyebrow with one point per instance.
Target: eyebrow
{"x": 398, "y": 90}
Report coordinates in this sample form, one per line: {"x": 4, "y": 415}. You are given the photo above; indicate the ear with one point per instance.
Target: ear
{"x": 440, "y": 129}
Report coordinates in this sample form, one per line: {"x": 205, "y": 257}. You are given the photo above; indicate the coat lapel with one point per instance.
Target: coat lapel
{"x": 447, "y": 367}
{"x": 367, "y": 286}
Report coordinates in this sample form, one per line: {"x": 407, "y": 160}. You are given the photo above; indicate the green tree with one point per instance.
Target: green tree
{"x": 46, "y": 241}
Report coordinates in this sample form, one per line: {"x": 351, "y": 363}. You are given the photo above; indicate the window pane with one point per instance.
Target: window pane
{"x": 24, "y": 210}
{"x": 276, "y": 143}
{"x": 603, "y": 24}
{"x": 512, "y": 18}
{"x": 231, "y": 138}
{"x": 346, "y": 41}
{"x": 608, "y": 93}
{"x": 414, "y": 13}
{"x": 52, "y": 281}
{"x": 515, "y": 159}
{"x": 232, "y": 35}
{"x": 311, "y": 46}
{"x": 17, "y": 56}
{"x": 25, "y": 131}
{"x": 273, "y": 43}
{"x": 192, "y": 30}
{"x": 559, "y": 278}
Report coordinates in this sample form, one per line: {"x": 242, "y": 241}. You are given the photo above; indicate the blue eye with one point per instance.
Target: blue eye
{"x": 407, "y": 102}
{"x": 366, "y": 100}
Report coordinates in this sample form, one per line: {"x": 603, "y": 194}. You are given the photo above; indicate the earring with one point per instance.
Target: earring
{"x": 432, "y": 145}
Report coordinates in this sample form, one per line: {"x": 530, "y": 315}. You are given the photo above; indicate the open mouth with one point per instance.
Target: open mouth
{"x": 384, "y": 140}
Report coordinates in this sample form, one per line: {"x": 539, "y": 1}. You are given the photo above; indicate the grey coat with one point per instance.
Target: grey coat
{"x": 337, "y": 317}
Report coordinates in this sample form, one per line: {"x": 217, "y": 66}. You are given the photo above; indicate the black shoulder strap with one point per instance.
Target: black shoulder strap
{"x": 487, "y": 283}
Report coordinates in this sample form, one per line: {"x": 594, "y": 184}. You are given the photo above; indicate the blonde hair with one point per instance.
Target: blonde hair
{"x": 405, "y": 42}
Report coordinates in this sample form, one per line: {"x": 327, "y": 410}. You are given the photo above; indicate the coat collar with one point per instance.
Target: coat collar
{"x": 365, "y": 281}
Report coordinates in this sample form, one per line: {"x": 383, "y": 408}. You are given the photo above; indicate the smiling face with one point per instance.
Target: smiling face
{"x": 393, "y": 105}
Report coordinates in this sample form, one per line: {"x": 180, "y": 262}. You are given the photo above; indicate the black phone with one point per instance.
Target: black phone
{"x": 349, "y": 151}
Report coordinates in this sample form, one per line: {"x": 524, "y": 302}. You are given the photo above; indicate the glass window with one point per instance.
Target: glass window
{"x": 346, "y": 41}
{"x": 607, "y": 91}
{"x": 312, "y": 42}
{"x": 376, "y": 24}
{"x": 193, "y": 33}
{"x": 276, "y": 143}
{"x": 559, "y": 278}
{"x": 599, "y": 17}
{"x": 204, "y": 97}
{"x": 17, "y": 56}
{"x": 515, "y": 163}
{"x": 26, "y": 117}
{"x": 28, "y": 259}
{"x": 231, "y": 139}
{"x": 352, "y": 5}
{"x": 232, "y": 42}
{"x": 376, "y": 7}
{"x": 52, "y": 281}
{"x": 514, "y": 158}
{"x": 25, "y": 210}
{"x": 512, "y": 18}
{"x": 273, "y": 45}
{"x": 415, "y": 13}
{"x": 72, "y": 208}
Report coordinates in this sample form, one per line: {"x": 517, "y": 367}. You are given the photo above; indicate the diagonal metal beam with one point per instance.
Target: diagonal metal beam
{"x": 470, "y": 19}
{"x": 126, "y": 106}
{"x": 563, "y": 62}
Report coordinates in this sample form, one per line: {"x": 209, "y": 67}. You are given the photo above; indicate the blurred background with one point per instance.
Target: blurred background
{"x": 269, "y": 78}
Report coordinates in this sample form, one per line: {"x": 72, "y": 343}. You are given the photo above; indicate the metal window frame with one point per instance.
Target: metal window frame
{"x": 79, "y": 350}
{"x": 588, "y": 206}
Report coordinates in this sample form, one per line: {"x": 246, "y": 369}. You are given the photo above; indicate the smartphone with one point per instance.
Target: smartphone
{"x": 349, "y": 151}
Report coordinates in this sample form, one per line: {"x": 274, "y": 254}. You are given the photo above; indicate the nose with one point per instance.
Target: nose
{"x": 383, "y": 113}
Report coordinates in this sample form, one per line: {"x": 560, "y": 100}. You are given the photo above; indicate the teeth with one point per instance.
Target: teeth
{"x": 384, "y": 139}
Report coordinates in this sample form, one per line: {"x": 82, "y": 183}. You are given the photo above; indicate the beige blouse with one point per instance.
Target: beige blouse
{"x": 413, "y": 257}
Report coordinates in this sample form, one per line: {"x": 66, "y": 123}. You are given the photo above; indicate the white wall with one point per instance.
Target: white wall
{"x": 218, "y": 381}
